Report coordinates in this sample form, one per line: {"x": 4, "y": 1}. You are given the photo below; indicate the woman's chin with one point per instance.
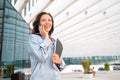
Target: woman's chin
{"x": 47, "y": 30}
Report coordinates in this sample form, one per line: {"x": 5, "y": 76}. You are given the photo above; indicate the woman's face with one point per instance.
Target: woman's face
{"x": 46, "y": 22}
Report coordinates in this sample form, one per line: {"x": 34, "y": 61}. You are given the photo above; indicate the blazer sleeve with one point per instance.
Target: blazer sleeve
{"x": 38, "y": 48}
{"x": 62, "y": 66}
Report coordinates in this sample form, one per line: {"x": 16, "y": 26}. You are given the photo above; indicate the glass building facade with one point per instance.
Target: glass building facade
{"x": 14, "y": 32}
{"x": 95, "y": 60}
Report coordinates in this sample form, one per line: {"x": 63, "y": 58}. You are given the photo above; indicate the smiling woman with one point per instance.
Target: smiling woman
{"x": 42, "y": 50}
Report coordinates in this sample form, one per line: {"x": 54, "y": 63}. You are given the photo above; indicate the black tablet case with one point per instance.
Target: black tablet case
{"x": 59, "y": 48}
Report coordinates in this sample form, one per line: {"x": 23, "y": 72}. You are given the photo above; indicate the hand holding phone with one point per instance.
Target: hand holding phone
{"x": 42, "y": 31}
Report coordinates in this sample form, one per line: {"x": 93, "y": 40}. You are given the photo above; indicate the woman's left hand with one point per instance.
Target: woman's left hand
{"x": 56, "y": 59}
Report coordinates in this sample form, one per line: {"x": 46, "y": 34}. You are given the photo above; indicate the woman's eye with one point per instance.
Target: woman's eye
{"x": 43, "y": 20}
{"x": 49, "y": 20}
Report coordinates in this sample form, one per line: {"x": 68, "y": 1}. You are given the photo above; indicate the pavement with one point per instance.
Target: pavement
{"x": 100, "y": 75}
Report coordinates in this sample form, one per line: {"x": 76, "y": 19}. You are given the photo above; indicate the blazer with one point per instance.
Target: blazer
{"x": 42, "y": 66}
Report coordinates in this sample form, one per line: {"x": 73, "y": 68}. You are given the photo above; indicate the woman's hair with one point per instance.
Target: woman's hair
{"x": 37, "y": 21}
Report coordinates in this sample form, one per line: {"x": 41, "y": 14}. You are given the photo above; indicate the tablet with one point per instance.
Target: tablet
{"x": 59, "y": 47}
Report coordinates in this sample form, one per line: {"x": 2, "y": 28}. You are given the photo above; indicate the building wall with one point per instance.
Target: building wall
{"x": 14, "y": 32}
{"x": 95, "y": 60}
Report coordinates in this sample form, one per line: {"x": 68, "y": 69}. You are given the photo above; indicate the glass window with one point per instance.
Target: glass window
{"x": 10, "y": 20}
{"x": 26, "y": 39}
{"x": 9, "y": 32}
{"x": 19, "y": 17}
{"x": 19, "y": 37}
{"x": 25, "y": 52}
{"x": 25, "y": 36}
{"x": 9, "y": 26}
{"x": 18, "y": 41}
{"x": 6, "y": 11}
{"x": 26, "y": 25}
{"x": 19, "y": 33}
{"x": 19, "y": 51}
{"x": 1, "y": 13}
{"x": 19, "y": 23}
{"x": 20, "y": 29}
{"x": 1, "y": 4}
{"x": 0, "y": 20}
{"x": 0, "y": 28}
{"x": 26, "y": 31}
{"x": 12, "y": 13}
{"x": 6, "y": 35}
{"x": 8, "y": 4}
{"x": 12, "y": 36}
{"x": 8, "y": 51}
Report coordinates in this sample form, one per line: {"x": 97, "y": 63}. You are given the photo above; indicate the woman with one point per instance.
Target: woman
{"x": 93, "y": 72}
{"x": 41, "y": 50}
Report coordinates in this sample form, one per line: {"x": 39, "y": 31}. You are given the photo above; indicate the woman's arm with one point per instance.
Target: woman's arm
{"x": 38, "y": 48}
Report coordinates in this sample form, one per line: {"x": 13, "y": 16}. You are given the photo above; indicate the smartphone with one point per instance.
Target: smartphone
{"x": 38, "y": 25}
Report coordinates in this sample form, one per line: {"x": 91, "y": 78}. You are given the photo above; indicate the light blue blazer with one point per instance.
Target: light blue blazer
{"x": 42, "y": 65}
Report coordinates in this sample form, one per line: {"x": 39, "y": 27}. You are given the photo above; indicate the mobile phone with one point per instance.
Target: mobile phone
{"x": 38, "y": 25}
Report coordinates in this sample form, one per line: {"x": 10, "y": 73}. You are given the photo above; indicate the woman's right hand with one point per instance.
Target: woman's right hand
{"x": 43, "y": 33}
{"x": 56, "y": 59}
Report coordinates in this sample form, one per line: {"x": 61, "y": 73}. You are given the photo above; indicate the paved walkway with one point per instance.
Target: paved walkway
{"x": 100, "y": 75}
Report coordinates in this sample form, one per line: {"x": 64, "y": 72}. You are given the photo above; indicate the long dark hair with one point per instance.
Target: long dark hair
{"x": 36, "y": 22}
